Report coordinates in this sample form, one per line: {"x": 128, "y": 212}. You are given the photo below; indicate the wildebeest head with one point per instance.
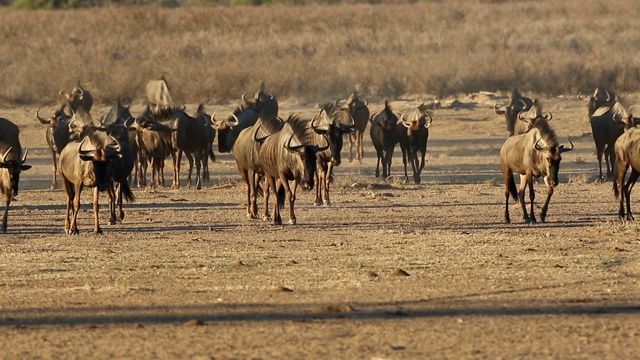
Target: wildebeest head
{"x": 417, "y": 119}
{"x": 79, "y": 98}
{"x": 333, "y": 122}
{"x": 265, "y": 103}
{"x": 308, "y": 158}
{"x": 14, "y": 165}
{"x": 100, "y": 156}
{"x": 82, "y": 124}
{"x": 551, "y": 157}
{"x": 601, "y": 98}
{"x": 355, "y": 102}
{"x": 517, "y": 104}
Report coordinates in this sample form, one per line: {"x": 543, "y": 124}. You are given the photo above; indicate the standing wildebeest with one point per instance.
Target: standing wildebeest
{"x": 601, "y": 98}
{"x": 246, "y": 151}
{"x": 154, "y": 141}
{"x": 120, "y": 169}
{"x": 12, "y": 162}
{"x": 288, "y": 156}
{"x": 384, "y": 136}
{"x": 606, "y": 126}
{"x": 57, "y": 136}
{"x": 206, "y": 121}
{"x": 158, "y": 95}
{"x": 627, "y": 149}
{"x": 533, "y": 154}
{"x": 358, "y": 107}
{"x": 413, "y": 133}
{"x": 86, "y": 164}
{"x": 79, "y": 98}
{"x": 329, "y": 128}
{"x": 517, "y": 104}
{"x": 244, "y": 116}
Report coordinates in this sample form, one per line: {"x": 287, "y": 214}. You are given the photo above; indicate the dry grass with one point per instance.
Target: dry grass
{"x": 321, "y": 52}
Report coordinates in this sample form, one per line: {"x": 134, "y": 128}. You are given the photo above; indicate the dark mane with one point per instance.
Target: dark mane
{"x": 272, "y": 125}
{"x": 300, "y": 129}
{"x": 546, "y": 132}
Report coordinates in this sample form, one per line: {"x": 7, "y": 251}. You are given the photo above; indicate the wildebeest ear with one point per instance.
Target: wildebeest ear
{"x": 25, "y": 167}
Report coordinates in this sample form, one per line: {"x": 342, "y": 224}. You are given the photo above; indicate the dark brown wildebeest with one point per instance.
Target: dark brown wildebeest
{"x": 289, "y": 156}
{"x": 413, "y": 134}
{"x": 12, "y": 162}
{"x": 516, "y": 105}
{"x": 601, "y": 98}
{"x": 607, "y": 124}
{"x": 154, "y": 141}
{"x": 358, "y": 107}
{"x": 206, "y": 121}
{"x": 86, "y": 164}
{"x": 384, "y": 136}
{"x": 57, "y": 137}
{"x": 246, "y": 151}
{"x": 329, "y": 128}
{"x": 627, "y": 149}
{"x": 120, "y": 169}
{"x": 533, "y": 154}
{"x": 79, "y": 98}
{"x": 158, "y": 95}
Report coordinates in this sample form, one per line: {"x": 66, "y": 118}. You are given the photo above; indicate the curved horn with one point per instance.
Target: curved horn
{"x": 428, "y": 123}
{"x": 549, "y": 116}
{"x": 24, "y": 157}
{"x": 4, "y": 156}
{"x": 608, "y": 95}
{"x": 244, "y": 97}
{"x": 117, "y": 146}
{"x": 82, "y": 151}
{"x": 403, "y": 120}
{"x": 563, "y": 149}
{"x": 41, "y": 119}
{"x": 366, "y": 102}
{"x": 292, "y": 148}
{"x": 236, "y": 121}
{"x": 520, "y": 117}
{"x": 538, "y": 147}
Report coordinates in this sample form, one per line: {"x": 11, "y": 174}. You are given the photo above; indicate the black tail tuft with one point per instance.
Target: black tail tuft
{"x": 127, "y": 193}
{"x": 615, "y": 189}
{"x": 212, "y": 156}
{"x": 281, "y": 197}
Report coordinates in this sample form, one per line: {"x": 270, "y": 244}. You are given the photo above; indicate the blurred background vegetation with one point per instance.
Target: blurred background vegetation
{"x": 315, "y": 51}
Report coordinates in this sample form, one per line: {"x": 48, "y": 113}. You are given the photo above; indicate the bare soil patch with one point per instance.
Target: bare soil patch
{"x": 392, "y": 270}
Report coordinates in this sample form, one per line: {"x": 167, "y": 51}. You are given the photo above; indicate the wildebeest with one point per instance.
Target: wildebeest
{"x": 86, "y": 164}
{"x": 158, "y": 94}
{"x": 288, "y": 156}
{"x": 413, "y": 134}
{"x": 601, "y": 98}
{"x": 12, "y": 162}
{"x": 120, "y": 168}
{"x": 329, "y": 128}
{"x": 57, "y": 137}
{"x": 246, "y": 151}
{"x": 606, "y": 126}
{"x": 243, "y": 117}
{"x": 516, "y": 105}
{"x": 79, "y": 98}
{"x": 384, "y": 136}
{"x": 358, "y": 107}
{"x": 533, "y": 154}
{"x": 154, "y": 141}
{"x": 206, "y": 121}
{"x": 627, "y": 150}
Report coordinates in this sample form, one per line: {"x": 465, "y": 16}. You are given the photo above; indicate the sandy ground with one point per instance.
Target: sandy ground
{"x": 392, "y": 270}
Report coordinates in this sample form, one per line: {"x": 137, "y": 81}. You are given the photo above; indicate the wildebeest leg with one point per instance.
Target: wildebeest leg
{"x": 416, "y": 177}
{"x": 69, "y": 193}
{"x": 247, "y": 178}
{"x": 276, "y": 186}
{"x": 360, "y": 145}
{"x": 543, "y": 213}
{"x": 318, "y": 180}
{"x": 73, "y": 228}
{"x": 176, "y": 156}
{"x": 508, "y": 177}
{"x": 291, "y": 198}
{"x": 119, "y": 200}
{"x": 96, "y": 207}
{"x": 111, "y": 193}
{"x": 404, "y": 162}
{"x": 54, "y": 183}
{"x": 380, "y": 155}
{"x": 265, "y": 195}
{"x": 189, "y": 156}
{"x": 161, "y": 180}
{"x": 608, "y": 159}
{"x": 532, "y": 196}
{"x": 633, "y": 177}
{"x": 599, "y": 152}
{"x": 326, "y": 182}
{"x": 387, "y": 165}
{"x": 198, "y": 159}
{"x": 523, "y": 185}
{"x": 6, "y": 211}
{"x": 352, "y": 140}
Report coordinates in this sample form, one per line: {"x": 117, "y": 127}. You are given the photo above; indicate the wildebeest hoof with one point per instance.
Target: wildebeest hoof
{"x": 292, "y": 222}
{"x": 251, "y": 216}
{"x": 73, "y": 232}
{"x": 277, "y": 222}
{"x": 266, "y": 218}
{"x": 327, "y": 203}
{"x": 317, "y": 203}
{"x": 98, "y": 232}
{"x": 112, "y": 222}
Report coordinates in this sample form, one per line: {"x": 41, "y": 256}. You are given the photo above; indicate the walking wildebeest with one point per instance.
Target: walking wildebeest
{"x": 246, "y": 151}
{"x": 627, "y": 149}
{"x": 533, "y": 154}
{"x": 86, "y": 164}
{"x": 329, "y": 128}
{"x": 384, "y": 136}
{"x": 79, "y": 98}
{"x": 607, "y": 124}
{"x": 358, "y": 107}
{"x": 154, "y": 141}
{"x": 57, "y": 137}
{"x": 601, "y": 98}
{"x": 120, "y": 169}
{"x": 12, "y": 162}
{"x": 517, "y": 104}
{"x": 158, "y": 95}
{"x": 413, "y": 134}
{"x": 288, "y": 156}
{"x": 210, "y": 133}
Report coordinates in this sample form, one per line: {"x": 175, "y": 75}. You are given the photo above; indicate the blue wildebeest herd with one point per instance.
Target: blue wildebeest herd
{"x": 277, "y": 155}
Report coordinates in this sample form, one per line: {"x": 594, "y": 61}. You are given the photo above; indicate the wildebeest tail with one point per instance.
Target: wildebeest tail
{"x": 513, "y": 190}
{"x": 212, "y": 156}
{"x": 615, "y": 189}
{"x": 281, "y": 197}
{"x": 127, "y": 193}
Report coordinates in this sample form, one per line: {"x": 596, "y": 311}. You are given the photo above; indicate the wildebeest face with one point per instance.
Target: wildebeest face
{"x": 552, "y": 158}
{"x": 308, "y": 157}
{"x": 335, "y": 144}
{"x": 14, "y": 168}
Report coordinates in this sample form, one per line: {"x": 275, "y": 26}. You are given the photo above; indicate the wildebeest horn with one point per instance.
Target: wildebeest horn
{"x": 520, "y": 117}
{"x": 41, "y": 119}
{"x": 563, "y": 149}
{"x": 83, "y": 151}
{"x": 236, "y": 121}
{"x": 24, "y": 157}
{"x": 4, "y": 156}
{"x": 366, "y": 102}
{"x": 538, "y": 147}
{"x": 549, "y": 116}
{"x": 244, "y": 97}
{"x": 117, "y": 146}
{"x": 292, "y": 148}
{"x": 255, "y": 133}
{"x": 428, "y": 123}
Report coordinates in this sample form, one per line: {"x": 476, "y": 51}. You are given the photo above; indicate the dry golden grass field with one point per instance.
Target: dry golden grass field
{"x": 392, "y": 270}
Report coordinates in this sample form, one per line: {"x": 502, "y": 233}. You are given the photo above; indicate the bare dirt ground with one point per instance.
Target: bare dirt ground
{"x": 392, "y": 270}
